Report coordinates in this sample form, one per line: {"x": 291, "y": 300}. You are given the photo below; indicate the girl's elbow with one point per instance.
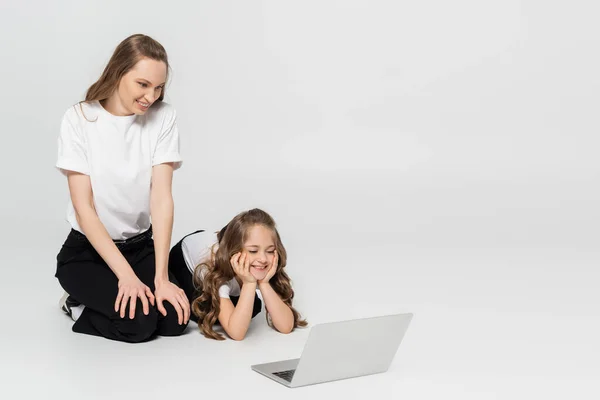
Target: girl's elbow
{"x": 286, "y": 329}
{"x": 237, "y": 337}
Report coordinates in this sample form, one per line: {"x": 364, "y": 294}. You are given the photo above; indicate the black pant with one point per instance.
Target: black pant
{"x": 88, "y": 279}
{"x": 179, "y": 269}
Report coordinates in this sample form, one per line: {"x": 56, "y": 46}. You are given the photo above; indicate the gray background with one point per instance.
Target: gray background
{"x": 431, "y": 157}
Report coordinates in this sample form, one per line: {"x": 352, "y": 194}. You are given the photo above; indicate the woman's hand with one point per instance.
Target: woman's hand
{"x": 130, "y": 289}
{"x": 167, "y": 290}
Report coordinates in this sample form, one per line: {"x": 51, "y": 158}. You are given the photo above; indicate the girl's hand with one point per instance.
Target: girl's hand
{"x": 167, "y": 290}
{"x": 241, "y": 266}
{"x": 272, "y": 269}
{"x": 130, "y": 288}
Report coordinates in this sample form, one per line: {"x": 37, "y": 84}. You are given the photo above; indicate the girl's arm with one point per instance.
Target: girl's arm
{"x": 281, "y": 315}
{"x": 236, "y": 319}
{"x": 161, "y": 211}
{"x": 130, "y": 287}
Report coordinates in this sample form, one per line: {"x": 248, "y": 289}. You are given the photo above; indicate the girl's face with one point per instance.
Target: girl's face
{"x": 140, "y": 87}
{"x": 260, "y": 247}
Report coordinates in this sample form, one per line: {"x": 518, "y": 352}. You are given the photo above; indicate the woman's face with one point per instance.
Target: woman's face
{"x": 260, "y": 247}
{"x": 140, "y": 87}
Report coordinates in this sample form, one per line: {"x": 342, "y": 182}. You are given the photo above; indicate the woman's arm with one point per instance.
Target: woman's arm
{"x": 130, "y": 286}
{"x": 80, "y": 188}
{"x": 162, "y": 210}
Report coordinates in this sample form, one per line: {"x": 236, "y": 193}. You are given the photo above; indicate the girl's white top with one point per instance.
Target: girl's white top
{"x": 196, "y": 249}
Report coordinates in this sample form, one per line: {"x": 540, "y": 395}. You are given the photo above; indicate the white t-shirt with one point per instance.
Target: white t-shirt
{"x": 118, "y": 153}
{"x": 197, "y": 248}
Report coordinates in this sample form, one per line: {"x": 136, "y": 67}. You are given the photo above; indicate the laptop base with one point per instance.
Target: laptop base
{"x": 269, "y": 369}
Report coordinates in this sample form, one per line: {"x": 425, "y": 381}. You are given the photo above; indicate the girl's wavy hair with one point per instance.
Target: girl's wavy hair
{"x": 125, "y": 57}
{"x": 218, "y": 270}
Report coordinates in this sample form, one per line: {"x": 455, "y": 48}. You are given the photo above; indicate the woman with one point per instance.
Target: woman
{"x": 118, "y": 149}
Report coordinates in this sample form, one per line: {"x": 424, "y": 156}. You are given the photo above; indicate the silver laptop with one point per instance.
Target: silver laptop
{"x": 341, "y": 350}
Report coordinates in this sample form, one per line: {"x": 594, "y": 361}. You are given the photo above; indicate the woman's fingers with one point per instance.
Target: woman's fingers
{"x": 132, "y": 302}
{"x": 129, "y": 295}
{"x": 118, "y": 299}
{"x": 142, "y": 296}
{"x": 124, "y": 301}
{"x": 177, "y": 307}
{"x": 186, "y": 305}
{"x": 150, "y": 295}
{"x": 161, "y": 307}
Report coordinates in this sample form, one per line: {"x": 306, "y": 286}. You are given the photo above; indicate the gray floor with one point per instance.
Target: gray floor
{"x": 434, "y": 157}
{"x": 505, "y": 303}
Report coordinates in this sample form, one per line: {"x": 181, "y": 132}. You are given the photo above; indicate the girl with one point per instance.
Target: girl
{"x": 118, "y": 150}
{"x": 226, "y": 276}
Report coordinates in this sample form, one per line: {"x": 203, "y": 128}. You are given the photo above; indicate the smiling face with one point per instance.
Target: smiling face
{"x": 138, "y": 89}
{"x": 260, "y": 247}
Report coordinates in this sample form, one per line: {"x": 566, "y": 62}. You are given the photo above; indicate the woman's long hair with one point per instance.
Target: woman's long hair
{"x": 214, "y": 272}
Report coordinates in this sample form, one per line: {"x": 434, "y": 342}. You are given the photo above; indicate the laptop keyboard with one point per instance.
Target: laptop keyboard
{"x": 285, "y": 375}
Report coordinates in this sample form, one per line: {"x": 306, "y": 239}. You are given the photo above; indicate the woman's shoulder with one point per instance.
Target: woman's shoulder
{"x": 159, "y": 115}
{"x": 82, "y": 111}
{"x": 161, "y": 110}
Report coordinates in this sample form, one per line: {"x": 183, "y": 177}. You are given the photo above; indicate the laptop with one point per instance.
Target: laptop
{"x": 342, "y": 350}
